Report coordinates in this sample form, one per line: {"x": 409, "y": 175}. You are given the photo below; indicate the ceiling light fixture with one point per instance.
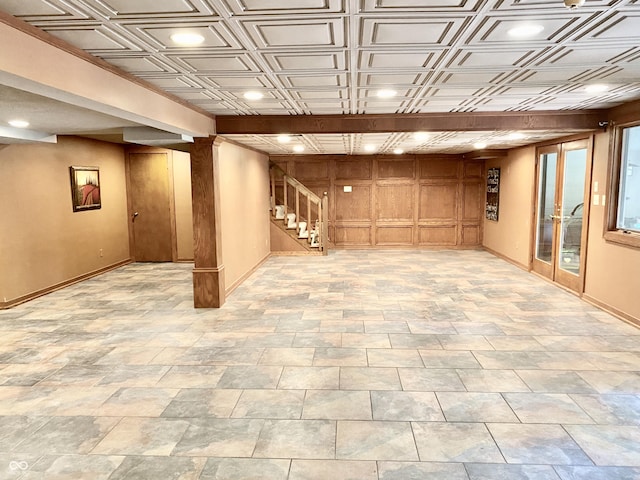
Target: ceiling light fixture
{"x": 298, "y": 148}
{"x": 525, "y": 30}
{"x": 596, "y": 88}
{"x": 187, "y": 39}
{"x": 516, "y": 136}
{"x": 19, "y": 123}
{"x": 369, "y": 148}
{"x": 386, "y": 93}
{"x": 420, "y": 136}
{"x": 573, "y": 4}
{"x": 284, "y": 138}
{"x": 253, "y": 95}
{"x": 398, "y": 151}
{"x": 479, "y": 145}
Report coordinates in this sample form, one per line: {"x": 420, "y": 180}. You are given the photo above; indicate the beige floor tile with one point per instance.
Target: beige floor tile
{"x": 333, "y": 469}
{"x": 310, "y": 439}
{"x": 337, "y": 405}
{"x": 375, "y": 441}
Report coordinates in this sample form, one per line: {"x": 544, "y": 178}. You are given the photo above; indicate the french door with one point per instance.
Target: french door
{"x": 562, "y": 203}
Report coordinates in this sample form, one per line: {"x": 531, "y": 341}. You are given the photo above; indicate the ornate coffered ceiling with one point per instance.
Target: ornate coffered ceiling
{"x": 319, "y": 57}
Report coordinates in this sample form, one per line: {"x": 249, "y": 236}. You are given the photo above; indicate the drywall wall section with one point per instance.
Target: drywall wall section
{"x": 43, "y": 242}
{"x": 510, "y": 236}
{"x": 183, "y": 210}
{"x": 613, "y": 271}
{"x": 244, "y": 197}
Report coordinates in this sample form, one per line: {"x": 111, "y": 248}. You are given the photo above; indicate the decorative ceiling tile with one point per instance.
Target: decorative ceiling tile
{"x": 409, "y": 32}
{"x": 395, "y": 60}
{"x": 297, "y": 32}
{"x": 390, "y": 6}
{"x": 298, "y": 81}
{"x": 216, "y": 36}
{"x": 91, "y": 38}
{"x": 200, "y": 63}
{"x": 34, "y": 8}
{"x": 306, "y": 61}
{"x": 280, "y": 7}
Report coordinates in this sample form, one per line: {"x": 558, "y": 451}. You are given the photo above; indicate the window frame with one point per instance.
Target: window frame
{"x": 612, "y": 233}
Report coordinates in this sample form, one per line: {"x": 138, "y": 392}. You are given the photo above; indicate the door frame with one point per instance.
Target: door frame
{"x": 551, "y": 271}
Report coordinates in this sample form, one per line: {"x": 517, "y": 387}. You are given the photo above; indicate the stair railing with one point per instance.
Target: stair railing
{"x": 318, "y": 231}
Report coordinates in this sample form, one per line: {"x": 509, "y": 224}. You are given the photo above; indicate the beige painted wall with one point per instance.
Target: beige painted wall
{"x": 244, "y": 193}
{"x": 510, "y": 236}
{"x": 613, "y": 271}
{"x": 43, "y": 243}
{"x": 182, "y": 198}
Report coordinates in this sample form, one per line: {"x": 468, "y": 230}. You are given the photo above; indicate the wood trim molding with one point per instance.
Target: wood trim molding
{"x": 241, "y": 280}
{"x": 507, "y": 259}
{"x": 61, "y": 285}
{"x": 572, "y": 120}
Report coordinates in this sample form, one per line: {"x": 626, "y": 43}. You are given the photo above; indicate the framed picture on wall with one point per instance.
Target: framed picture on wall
{"x": 493, "y": 194}
{"x": 85, "y": 188}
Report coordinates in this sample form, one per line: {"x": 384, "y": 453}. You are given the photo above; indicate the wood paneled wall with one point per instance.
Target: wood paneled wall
{"x": 408, "y": 201}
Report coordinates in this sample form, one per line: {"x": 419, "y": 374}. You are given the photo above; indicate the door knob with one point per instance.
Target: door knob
{"x": 133, "y": 217}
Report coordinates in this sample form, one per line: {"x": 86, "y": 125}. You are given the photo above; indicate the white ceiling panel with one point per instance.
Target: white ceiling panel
{"x": 331, "y": 56}
{"x": 297, "y": 32}
{"x": 410, "y": 31}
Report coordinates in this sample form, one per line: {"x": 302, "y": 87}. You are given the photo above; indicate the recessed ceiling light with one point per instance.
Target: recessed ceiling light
{"x": 253, "y": 95}
{"x": 19, "y": 123}
{"x": 479, "y": 145}
{"x": 298, "y": 148}
{"x": 420, "y": 136}
{"x": 596, "y": 88}
{"x": 187, "y": 39}
{"x": 398, "y": 151}
{"x": 386, "y": 93}
{"x": 525, "y": 30}
{"x": 284, "y": 138}
{"x": 369, "y": 148}
{"x": 516, "y": 136}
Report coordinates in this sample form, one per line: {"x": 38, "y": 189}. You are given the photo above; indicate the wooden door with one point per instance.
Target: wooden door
{"x": 149, "y": 201}
{"x": 563, "y": 179}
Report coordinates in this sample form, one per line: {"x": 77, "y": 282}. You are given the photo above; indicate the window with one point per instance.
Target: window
{"x": 624, "y": 211}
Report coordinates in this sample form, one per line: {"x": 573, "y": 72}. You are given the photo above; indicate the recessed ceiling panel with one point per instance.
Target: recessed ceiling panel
{"x": 470, "y": 58}
{"x": 409, "y": 31}
{"x": 148, "y": 7}
{"x": 297, "y": 81}
{"x": 622, "y": 27}
{"x": 273, "y": 7}
{"x": 136, "y": 64}
{"x": 307, "y": 61}
{"x": 218, "y": 63}
{"x": 389, "y": 6}
{"x": 417, "y": 60}
{"x": 215, "y": 35}
{"x": 495, "y": 29}
{"x": 90, "y": 38}
{"x": 297, "y": 32}
{"x": 33, "y": 8}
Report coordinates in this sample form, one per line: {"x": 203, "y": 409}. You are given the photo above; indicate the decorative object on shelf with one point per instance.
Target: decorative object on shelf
{"x": 85, "y": 188}
{"x": 493, "y": 194}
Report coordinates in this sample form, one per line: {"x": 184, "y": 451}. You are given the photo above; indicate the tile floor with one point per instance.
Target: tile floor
{"x": 375, "y": 365}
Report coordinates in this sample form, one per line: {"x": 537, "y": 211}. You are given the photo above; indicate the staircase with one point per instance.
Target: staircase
{"x": 298, "y": 212}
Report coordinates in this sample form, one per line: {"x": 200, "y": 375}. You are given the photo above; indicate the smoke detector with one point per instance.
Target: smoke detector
{"x": 573, "y": 4}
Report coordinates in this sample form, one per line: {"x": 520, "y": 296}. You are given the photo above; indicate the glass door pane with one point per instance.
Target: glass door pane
{"x": 573, "y": 181}
{"x": 546, "y": 204}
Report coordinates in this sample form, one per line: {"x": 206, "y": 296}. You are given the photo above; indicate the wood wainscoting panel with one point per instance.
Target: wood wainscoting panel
{"x": 472, "y": 202}
{"x": 438, "y": 202}
{"x": 437, "y": 235}
{"x": 396, "y": 169}
{"x": 353, "y": 169}
{"x": 394, "y": 202}
{"x": 408, "y": 200}
{"x": 313, "y": 170}
{"x": 395, "y": 235}
{"x": 439, "y": 168}
{"x": 470, "y": 235}
{"x": 354, "y": 205}
{"x": 352, "y": 236}
{"x": 473, "y": 169}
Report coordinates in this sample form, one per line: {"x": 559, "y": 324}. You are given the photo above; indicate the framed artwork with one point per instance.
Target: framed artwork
{"x": 85, "y": 188}
{"x": 493, "y": 194}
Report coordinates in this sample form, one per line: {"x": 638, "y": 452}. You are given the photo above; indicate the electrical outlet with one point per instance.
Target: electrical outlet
{"x": 101, "y": 253}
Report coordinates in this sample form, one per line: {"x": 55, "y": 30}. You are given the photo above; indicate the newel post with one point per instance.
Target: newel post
{"x": 208, "y": 274}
